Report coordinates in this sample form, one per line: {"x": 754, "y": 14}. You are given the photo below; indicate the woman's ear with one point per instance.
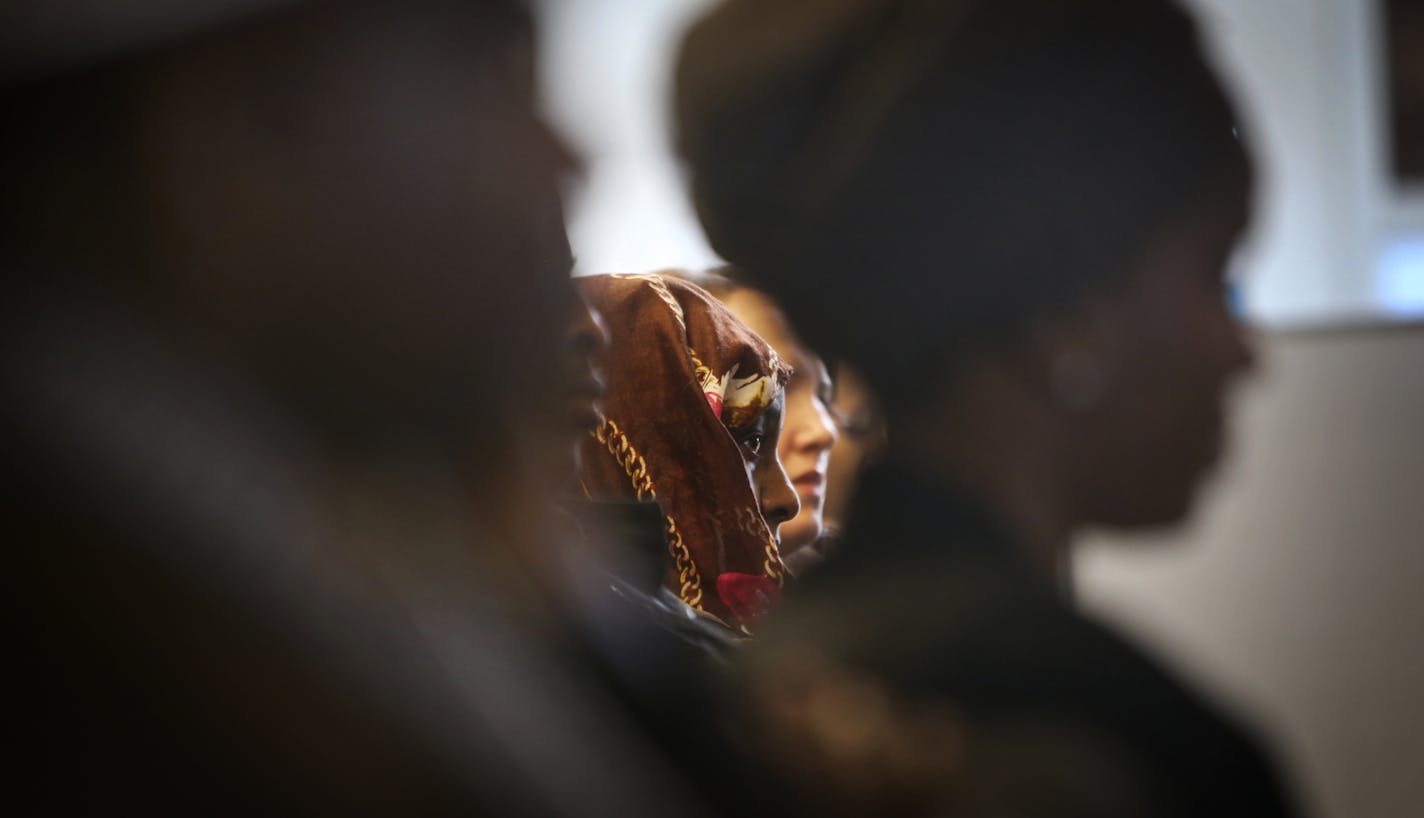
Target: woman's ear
{"x": 1071, "y": 358}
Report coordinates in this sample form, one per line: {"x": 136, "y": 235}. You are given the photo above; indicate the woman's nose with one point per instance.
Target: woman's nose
{"x": 821, "y": 432}
{"x": 779, "y": 502}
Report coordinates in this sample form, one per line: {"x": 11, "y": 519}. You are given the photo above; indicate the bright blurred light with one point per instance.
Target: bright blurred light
{"x": 1399, "y": 276}
{"x": 606, "y": 70}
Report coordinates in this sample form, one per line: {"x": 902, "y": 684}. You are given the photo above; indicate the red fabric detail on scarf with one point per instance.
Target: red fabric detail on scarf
{"x": 715, "y": 401}
{"x": 749, "y": 596}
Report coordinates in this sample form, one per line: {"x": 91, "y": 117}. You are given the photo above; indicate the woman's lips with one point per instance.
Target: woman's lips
{"x": 809, "y": 479}
{"x": 810, "y": 488}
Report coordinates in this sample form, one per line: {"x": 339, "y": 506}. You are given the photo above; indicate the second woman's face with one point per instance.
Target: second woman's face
{"x": 808, "y": 432}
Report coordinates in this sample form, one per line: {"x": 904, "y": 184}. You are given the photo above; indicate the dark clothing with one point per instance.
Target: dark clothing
{"x": 928, "y": 598}
{"x": 217, "y": 620}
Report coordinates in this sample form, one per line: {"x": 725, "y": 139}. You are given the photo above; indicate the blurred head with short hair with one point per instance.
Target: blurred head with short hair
{"x": 1010, "y": 216}
{"x": 348, "y": 200}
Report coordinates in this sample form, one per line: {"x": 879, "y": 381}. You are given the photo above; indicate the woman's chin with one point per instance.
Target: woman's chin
{"x": 799, "y": 533}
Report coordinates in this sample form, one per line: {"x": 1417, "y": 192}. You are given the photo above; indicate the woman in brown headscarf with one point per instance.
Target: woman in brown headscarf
{"x": 808, "y": 430}
{"x": 691, "y": 420}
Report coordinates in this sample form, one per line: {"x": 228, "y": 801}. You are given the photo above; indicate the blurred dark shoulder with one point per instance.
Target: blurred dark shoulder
{"x": 953, "y": 682}
{"x": 614, "y": 560}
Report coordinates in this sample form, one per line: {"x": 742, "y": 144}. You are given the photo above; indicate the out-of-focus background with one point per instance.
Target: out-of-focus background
{"x": 1295, "y": 593}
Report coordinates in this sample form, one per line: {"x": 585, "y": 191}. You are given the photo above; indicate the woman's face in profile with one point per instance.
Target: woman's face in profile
{"x": 808, "y": 432}
{"x": 1171, "y": 347}
{"x": 757, "y": 440}
{"x": 575, "y": 405}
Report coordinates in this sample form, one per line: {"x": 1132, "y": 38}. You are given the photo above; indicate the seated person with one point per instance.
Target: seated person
{"x": 861, "y": 441}
{"x": 691, "y": 420}
{"x": 1014, "y": 219}
{"x": 270, "y": 378}
{"x": 807, "y": 430}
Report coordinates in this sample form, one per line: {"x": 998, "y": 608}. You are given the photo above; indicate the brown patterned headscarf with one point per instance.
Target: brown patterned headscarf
{"x": 683, "y": 374}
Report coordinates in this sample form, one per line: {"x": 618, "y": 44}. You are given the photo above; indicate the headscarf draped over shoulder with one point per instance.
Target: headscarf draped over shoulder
{"x": 681, "y": 372}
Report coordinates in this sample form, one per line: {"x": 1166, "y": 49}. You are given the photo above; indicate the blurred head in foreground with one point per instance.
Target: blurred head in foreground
{"x": 692, "y": 416}
{"x": 807, "y": 431}
{"x": 280, "y": 280}
{"x": 1012, "y": 217}
{"x": 860, "y": 443}
{"x": 348, "y": 200}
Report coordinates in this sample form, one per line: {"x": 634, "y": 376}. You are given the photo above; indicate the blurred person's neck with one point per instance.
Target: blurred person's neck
{"x": 990, "y": 440}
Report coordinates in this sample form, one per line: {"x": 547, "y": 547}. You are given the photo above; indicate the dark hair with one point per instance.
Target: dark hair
{"x": 934, "y": 177}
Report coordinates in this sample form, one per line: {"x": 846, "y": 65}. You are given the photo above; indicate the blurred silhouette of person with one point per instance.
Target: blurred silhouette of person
{"x": 1013, "y": 218}
{"x": 279, "y": 284}
{"x": 807, "y": 429}
{"x": 860, "y": 443}
{"x": 691, "y": 418}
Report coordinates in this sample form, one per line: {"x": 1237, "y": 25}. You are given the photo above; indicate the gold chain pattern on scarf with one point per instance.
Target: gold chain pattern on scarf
{"x": 704, "y": 374}
{"x": 609, "y": 435}
{"x": 618, "y": 445}
{"x": 772, "y": 565}
{"x": 636, "y": 467}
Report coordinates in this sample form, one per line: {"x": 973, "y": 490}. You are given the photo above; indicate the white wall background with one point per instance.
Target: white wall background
{"x": 606, "y": 77}
{"x": 1337, "y": 238}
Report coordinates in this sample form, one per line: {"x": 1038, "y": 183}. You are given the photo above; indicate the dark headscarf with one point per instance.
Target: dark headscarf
{"x": 911, "y": 177}
{"x": 681, "y": 372}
